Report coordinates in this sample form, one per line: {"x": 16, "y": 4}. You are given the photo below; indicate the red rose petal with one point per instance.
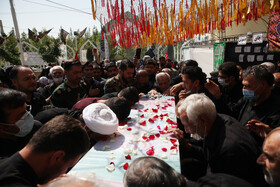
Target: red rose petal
{"x": 157, "y": 135}
{"x": 142, "y": 116}
{"x": 155, "y": 110}
{"x": 104, "y": 138}
{"x": 173, "y": 147}
{"x": 164, "y": 149}
{"x": 161, "y": 132}
{"x": 128, "y": 157}
{"x": 151, "y": 120}
{"x": 157, "y": 105}
{"x": 151, "y": 151}
{"x": 140, "y": 111}
{"x": 112, "y": 163}
{"x": 144, "y": 137}
{"x": 125, "y": 166}
{"x": 158, "y": 127}
{"x": 128, "y": 128}
{"x": 173, "y": 140}
{"x": 143, "y": 123}
{"x": 165, "y": 128}
{"x": 164, "y": 108}
{"x": 169, "y": 104}
{"x": 156, "y": 116}
{"x": 174, "y": 126}
{"x": 152, "y": 137}
{"x": 168, "y": 120}
{"x": 146, "y": 110}
{"x": 122, "y": 123}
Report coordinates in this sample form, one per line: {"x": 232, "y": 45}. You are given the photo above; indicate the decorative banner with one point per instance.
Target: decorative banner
{"x": 42, "y": 34}
{"x": 273, "y": 33}
{"x": 32, "y": 36}
{"x": 63, "y": 35}
{"x": 219, "y": 50}
{"x": 83, "y": 32}
{"x": 242, "y": 40}
{"x": 257, "y": 38}
{"x": 169, "y": 22}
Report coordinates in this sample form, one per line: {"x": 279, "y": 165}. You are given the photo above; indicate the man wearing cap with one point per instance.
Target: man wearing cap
{"x": 100, "y": 121}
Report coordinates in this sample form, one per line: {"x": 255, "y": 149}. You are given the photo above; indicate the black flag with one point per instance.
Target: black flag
{"x": 63, "y": 35}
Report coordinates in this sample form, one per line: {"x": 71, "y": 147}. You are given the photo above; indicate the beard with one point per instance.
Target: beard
{"x": 268, "y": 176}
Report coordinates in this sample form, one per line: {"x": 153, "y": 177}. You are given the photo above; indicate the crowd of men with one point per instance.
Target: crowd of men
{"x": 228, "y": 123}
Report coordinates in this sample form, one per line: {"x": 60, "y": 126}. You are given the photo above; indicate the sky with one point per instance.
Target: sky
{"x": 44, "y": 15}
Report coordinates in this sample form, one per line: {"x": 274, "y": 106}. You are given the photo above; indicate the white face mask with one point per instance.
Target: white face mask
{"x": 196, "y": 136}
{"x": 25, "y": 125}
{"x": 58, "y": 80}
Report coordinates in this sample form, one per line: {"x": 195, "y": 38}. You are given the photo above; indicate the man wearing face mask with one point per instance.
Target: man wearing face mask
{"x": 16, "y": 124}
{"x": 227, "y": 145}
{"x": 270, "y": 158}
{"x": 228, "y": 78}
{"x": 57, "y": 74}
{"x": 259, "y": 104}
{"x": 124, "y": 79}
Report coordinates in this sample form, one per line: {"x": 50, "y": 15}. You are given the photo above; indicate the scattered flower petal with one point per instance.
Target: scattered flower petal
{"x": 157, "y": 135}
{"x": 142, "y": 116}
{"x": 128, "y": 157}
{"x": 143, "y": 123}
{"x": 164, "y": 157}
{"x": 164, "y": 149}
{"x": 110, "y": 168}
{"x": 151, "y": 151}
{"x": 128, "y": 128}
{"x": 158, "y": 127}
{"x": 135, "y": 132}
{"x": 151, "y": 120}
{"x": 173, "y": 151}
{"x": 125, "y": 166}
{"x": 152, "y": 137}
{"x": 154, "y": 110}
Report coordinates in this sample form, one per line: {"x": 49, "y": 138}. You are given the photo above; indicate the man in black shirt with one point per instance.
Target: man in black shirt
{"x": 228, "y": 146}
{"x": 52, "y": 150}
{"x": 57, "y": 74}
{"x": 24, "y": 79}
{"x": 16, "y": 124}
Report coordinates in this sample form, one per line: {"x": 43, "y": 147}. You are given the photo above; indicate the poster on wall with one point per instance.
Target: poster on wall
{"x": 273, "y": 33}
{"x": 219, "y": 49}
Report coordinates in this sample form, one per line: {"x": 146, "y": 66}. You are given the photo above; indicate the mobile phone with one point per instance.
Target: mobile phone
{"x": 138, "y": 53}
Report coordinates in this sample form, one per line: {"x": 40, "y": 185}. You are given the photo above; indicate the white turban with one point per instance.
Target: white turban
{"x": 100, "y": 118}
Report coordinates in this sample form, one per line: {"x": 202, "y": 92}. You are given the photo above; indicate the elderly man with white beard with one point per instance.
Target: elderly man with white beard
{"x": 227, "y": 145}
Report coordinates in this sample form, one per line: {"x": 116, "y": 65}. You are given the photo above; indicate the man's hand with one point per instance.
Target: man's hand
{"x": 259, "y": 128}
{"x": 93, "y": 92}
{"x": 179, "y": 134}
{"x": 183, "y": 94}
{"x": 213, "y": 88}
{"x": 176, "y": 88}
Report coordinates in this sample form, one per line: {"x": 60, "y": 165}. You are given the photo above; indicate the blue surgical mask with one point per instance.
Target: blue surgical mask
{"x": 25, "y": 125}
{"x": 222, "y": 82}
{"x": 250, "y": 94}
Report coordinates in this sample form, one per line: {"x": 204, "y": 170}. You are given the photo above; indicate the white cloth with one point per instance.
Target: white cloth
{"x": 99, "y": 118}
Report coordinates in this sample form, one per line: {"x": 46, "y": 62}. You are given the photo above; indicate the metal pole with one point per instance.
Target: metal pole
{"x": 17, "y": 31}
